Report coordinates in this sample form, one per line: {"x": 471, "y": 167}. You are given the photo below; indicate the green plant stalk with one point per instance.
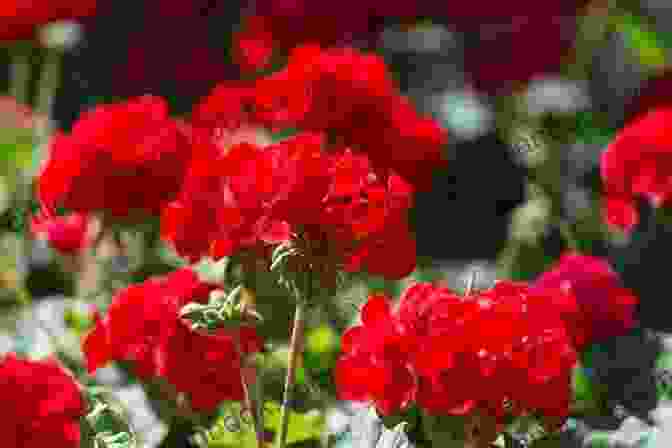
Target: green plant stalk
{"x": 19, "y": 76}
{"x": 46, "y": 92}
{"x": 252, "y": 398}
{"x": 295, "y": 348}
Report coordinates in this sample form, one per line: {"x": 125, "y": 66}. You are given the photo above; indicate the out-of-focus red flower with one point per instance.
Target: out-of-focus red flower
{"x": 605, "y": 308}
{"x": 495, "y": 35}
{"x": 278, "y": 27}
{"x": 143, "y": 326}
{"x": 119, "y": 159}
{"x": 19, "y": 19}
{"x": 44, "y": 404}
{"x": 454, "y": 355}
{"x": 638, "y": 163}
{"x": 67, "y": 234}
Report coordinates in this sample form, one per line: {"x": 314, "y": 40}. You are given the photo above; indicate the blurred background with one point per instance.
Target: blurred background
{"x": 530, "y": 93}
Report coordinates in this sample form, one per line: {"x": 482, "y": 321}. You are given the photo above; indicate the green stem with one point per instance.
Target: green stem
{"x": 46, "y": 92}
{"x": 295, "y": 348}
{"x": 568, "y": 235}
{"x": 251, "y": 398}
{"x": 19, "y": 77}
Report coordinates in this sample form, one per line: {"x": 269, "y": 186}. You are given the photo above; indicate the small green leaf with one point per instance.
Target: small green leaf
{"x": 211, "y": 271}
{"x": 645, "y": 43}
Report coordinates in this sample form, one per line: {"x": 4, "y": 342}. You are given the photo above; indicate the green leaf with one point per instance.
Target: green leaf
{"x": 16, "y": 149}
{"x": 582, "y": 386}
{"x": 645, "y": 43}
{"x": 108, "y": 422}
{"x": 663, "y": 384}
{"x": 598, "y": 439}
{"x": 303, "y": 427}
{"x": 283, "y": 134}
{"x": 322, "y": 339}
{"x": 211, "y": 271}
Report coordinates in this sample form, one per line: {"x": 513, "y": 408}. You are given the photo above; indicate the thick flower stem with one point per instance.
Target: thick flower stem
{"x": 248, "y": 374}
{"x": 19, "y": 78}
{"x": 295, "y": 347}
{"x": 470, "y": 431}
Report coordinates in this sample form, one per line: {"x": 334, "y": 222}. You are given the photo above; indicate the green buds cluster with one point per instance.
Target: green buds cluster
{"x": 222, "y": 311}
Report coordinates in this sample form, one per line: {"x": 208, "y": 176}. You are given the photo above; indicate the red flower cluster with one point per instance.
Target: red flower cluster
{"x": 143, "y": 326}
{"x": 67, "y": 234}
{"x": 118, "y": 159}
{"x": 250, "y": 195}
{"x": 43, "y": 404}
{"x": 334, "y": 91}
{"x": 604, "y": 307}
{"x": 19, "y": 18}
{"x": 452, "y": 355}
{"x": 638, "y": 163}
{"x": 344, "y": 187}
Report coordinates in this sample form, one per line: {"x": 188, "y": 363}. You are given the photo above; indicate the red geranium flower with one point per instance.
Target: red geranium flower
{"x": 638, "y": 163}
{"x": 334, "y": 91}
{"x": 143, "y": 326}
{"x": 67, "y": 234}
{"x": 375, "y": 364}
{"x": 44, "y": 404}
{"x": 119, "y": 159}
{"x": 249, "y": 196}
{"x": 605, "y": 307}
{"x": 454, "y": 355}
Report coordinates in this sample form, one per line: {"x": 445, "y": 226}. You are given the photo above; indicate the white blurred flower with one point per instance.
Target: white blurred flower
{"x": 555, "y": 95}
{"x": 467, "y": 116}
{"x": 62, "y": 35}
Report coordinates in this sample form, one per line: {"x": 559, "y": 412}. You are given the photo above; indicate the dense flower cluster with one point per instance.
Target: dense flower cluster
{"x": 637, "y": 163}
{"x": 604, "y": 307}
{"x": 335, "y": 91}
{"x": 143, "y": 326}
{"x": 341, "y": 188}
{"x": 46, "y": 404}
{"x": 67, "y": 234}
{"x": 119, "y": 159}
{"x": 503, "y": 350}
{"x": 19, "y": 19}
{"x": 260, "y": 195}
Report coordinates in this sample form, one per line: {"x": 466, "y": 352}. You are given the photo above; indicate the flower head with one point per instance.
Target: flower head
{"x": 44, "y": 404}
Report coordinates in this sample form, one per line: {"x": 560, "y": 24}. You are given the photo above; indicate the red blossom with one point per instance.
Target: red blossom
{"x": 453, "y": 355}
{"x": 375, "y": 364}
{"x": 119, "y": 159}
{"x": 44, "y": 404}
{"x": 248, "y": 197}
{"x": 67, "y": 234}
{"x": 638, "y": 163}
{"x": 334, "y": 91}
{"x": 143, "y": 326}
{"x": 605, "y": 308}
